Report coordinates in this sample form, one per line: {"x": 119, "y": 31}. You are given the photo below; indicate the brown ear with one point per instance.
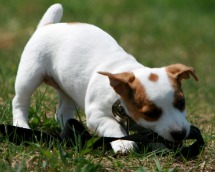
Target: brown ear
{"x": 180, "y": 71}
{"x": 120, "y": 81}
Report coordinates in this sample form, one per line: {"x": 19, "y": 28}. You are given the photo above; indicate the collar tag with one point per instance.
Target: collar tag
{"x": 120, "y": 115}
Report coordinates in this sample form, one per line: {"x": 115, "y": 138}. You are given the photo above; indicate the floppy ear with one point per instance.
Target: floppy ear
{"x": 180, "y": 71}
{"x": 120, "y": 82}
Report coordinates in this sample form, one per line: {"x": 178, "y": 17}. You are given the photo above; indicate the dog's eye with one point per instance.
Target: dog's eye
{"x": 153, "y": 113}
{"x": 180, "y": 104}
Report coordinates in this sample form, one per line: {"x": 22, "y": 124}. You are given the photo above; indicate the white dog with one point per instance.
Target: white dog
{"x": 90, "y": 70}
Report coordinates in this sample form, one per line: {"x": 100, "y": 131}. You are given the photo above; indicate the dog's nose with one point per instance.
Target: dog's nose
{"x": 179, "y": 135}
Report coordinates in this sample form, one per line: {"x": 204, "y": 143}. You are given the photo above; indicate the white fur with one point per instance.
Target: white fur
{"x": 72, "y": 54}
{"x": 53, "y": 15}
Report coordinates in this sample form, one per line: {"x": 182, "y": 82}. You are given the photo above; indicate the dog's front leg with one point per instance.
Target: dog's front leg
{"x": 109, "y": 127}
{"x": 123, "y": 146}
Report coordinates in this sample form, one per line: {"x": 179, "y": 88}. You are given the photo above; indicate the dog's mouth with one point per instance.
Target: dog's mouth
{"x": 168, "y": 142}
{"x": 173, "y": 143}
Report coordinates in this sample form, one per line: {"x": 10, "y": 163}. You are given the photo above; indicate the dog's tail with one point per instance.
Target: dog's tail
{"x": 52, "y": 15}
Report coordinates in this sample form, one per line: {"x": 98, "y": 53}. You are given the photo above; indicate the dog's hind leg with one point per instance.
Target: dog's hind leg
{"x": 27, "y": 80}
{"x": 66, "y": 108}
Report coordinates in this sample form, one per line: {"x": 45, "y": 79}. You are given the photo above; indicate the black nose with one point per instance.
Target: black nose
{"x": 179, "y": 135}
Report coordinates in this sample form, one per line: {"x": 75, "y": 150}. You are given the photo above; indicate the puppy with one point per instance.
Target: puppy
{"x": 90, "y": 70}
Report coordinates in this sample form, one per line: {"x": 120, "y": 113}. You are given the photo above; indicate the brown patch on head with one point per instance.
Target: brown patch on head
{"x": 176, "y": 73}
{"x": 139, "y": 104}
{"x": 179, "y": 100}
{"x": 153, "y": 77}
{"x": 134, "y": 96}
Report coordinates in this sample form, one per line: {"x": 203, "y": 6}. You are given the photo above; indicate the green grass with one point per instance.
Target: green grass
{"x": 157, "y": 33}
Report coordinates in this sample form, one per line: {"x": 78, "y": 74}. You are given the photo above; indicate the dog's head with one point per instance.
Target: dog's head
{"x": 154, "y": 99}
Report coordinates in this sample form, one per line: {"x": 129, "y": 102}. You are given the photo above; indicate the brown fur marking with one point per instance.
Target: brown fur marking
{"x": 73, "y": 23}
{"x": 134, "y": 96}
{"x": 51, "y": 82}
{"x": 176, "y": 84}
{"x": 139, "y": 105}
{"x": 153, "y": 77}
{"x": 176, "y": 73}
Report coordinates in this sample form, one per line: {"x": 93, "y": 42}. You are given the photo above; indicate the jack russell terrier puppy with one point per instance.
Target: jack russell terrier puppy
{"x": 90, "y": 70}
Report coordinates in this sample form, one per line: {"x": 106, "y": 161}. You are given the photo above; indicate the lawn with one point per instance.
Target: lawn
{"x": 157, "y": 33}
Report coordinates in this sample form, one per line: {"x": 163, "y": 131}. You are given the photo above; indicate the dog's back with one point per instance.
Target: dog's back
{"x": 68, "y": 55}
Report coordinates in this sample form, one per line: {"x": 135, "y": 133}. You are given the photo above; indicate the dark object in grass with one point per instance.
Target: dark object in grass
{"x": 74, "y": 130}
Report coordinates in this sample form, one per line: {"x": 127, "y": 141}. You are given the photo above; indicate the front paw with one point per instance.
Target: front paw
{"x": 123, "y": 146}
{"x": 21, "y": 123}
